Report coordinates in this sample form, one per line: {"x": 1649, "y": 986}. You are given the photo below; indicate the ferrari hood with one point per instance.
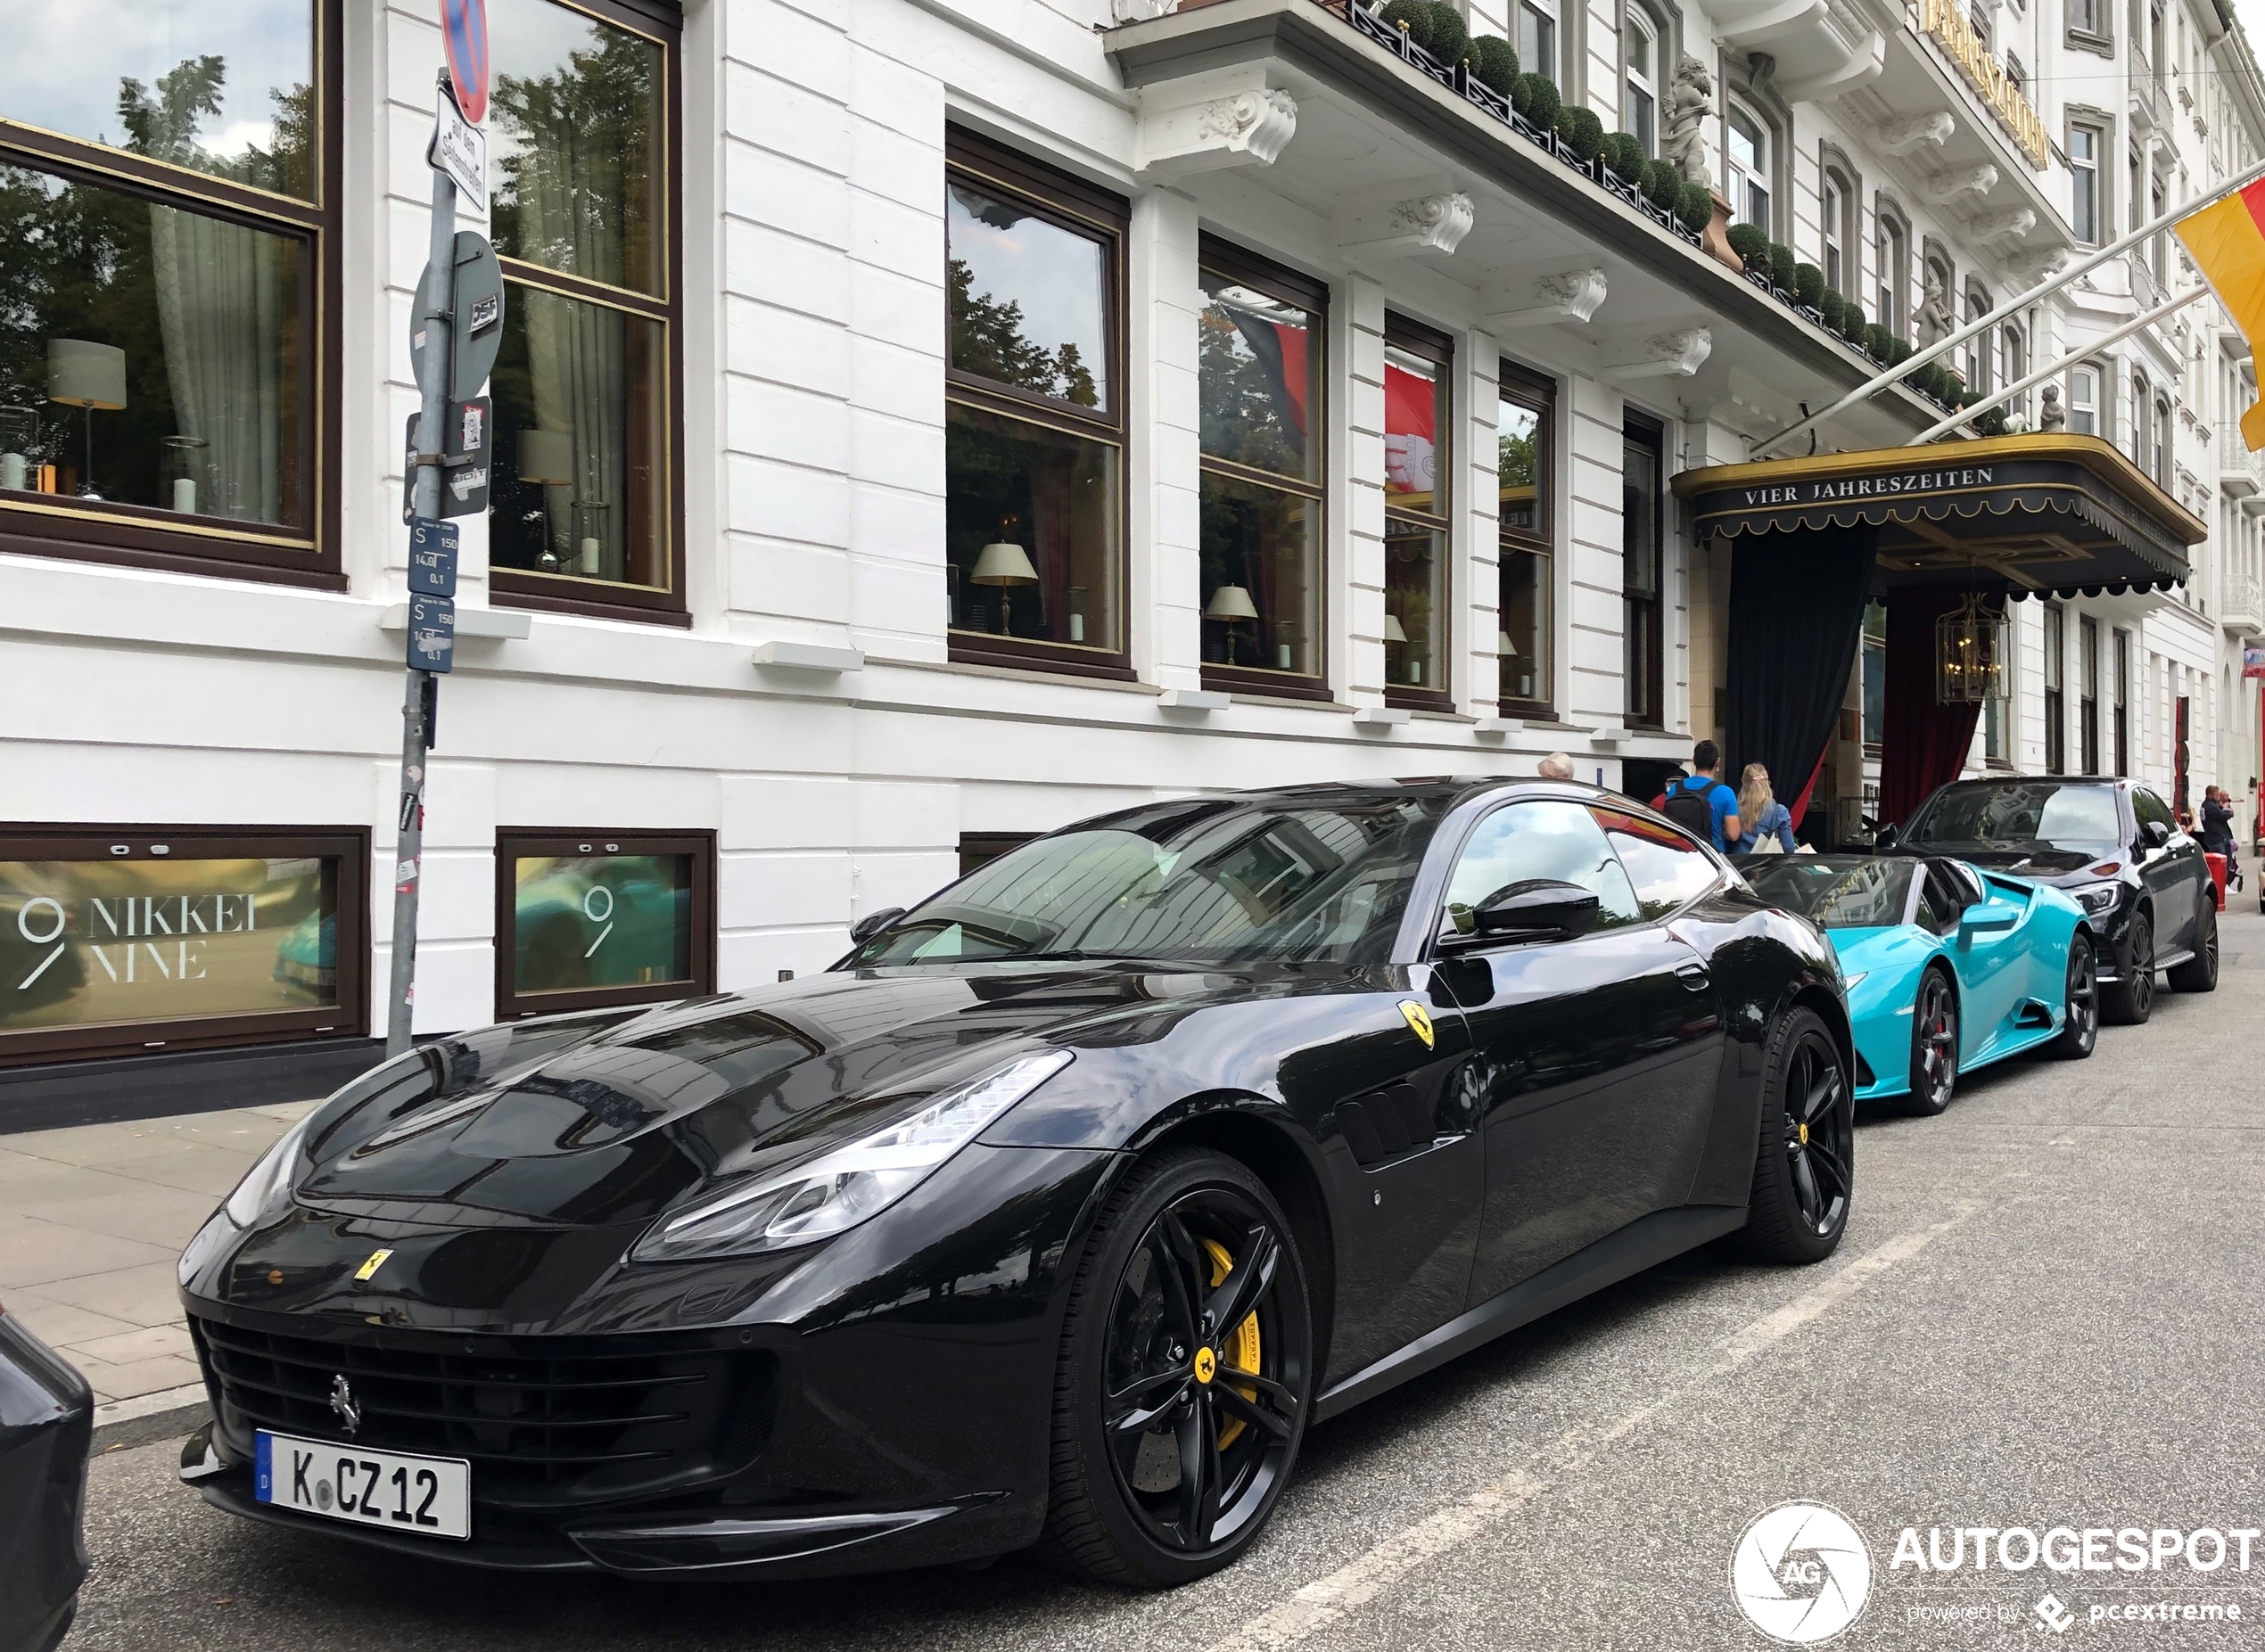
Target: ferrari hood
{"x": 589, "y": 1121}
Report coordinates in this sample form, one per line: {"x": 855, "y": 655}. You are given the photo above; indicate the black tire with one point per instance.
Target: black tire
{"x": 1934, "y": 1046}
{"x": 1141, "y": 1345}
{"x": 2199, "y": 973}
{"x": 2079, "y": 1032}
{"x": 1805, "y": 1159}
{"x": 2132, "y": 1000}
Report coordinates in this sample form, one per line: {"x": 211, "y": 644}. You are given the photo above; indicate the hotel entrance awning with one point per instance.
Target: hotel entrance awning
{"x": 2054, "y": 514}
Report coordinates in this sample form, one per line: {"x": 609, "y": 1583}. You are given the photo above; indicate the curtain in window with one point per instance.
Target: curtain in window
{"x": 222, "y": 308}
{"x": 1923, "y": 744}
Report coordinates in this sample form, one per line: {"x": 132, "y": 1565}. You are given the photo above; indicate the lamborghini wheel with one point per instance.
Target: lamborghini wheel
{"x": 1185, "y": 1377}
{"x": 1934, "y": 1046}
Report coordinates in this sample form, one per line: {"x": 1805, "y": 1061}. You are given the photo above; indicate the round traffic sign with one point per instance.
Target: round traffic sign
{"x": 464, "y": 26}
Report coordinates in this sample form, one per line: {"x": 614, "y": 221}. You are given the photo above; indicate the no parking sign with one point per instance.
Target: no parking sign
{"x": 464, "y": 26}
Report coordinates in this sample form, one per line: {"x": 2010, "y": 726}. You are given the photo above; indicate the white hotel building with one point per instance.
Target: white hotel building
{"x": 921, "y": 423}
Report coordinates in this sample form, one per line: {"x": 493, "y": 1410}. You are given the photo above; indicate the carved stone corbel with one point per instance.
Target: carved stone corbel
{"x": 1572, "y": 297}
{"x": 1673, "y": 355}
{"x": 1918, "y": 132}
{"x": 1204, "y": 126}
{"x": 2005, "y": 226}
{"x": 1421, "y": 224}
{"x": 1973, "y": 181}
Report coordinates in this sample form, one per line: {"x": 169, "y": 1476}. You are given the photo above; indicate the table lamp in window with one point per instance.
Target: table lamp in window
{"x": 81, "y": 373}
{"x": 547, "y": 460}
{"x": 1508, "y": 650}
{"x": 1230, "y": 606}
{"x": 1005, "y": 565}
{"x": 1394, "y": 632}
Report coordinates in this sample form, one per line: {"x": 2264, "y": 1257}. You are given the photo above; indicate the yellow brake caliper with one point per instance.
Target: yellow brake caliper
{"x": 1240, "y": 1350}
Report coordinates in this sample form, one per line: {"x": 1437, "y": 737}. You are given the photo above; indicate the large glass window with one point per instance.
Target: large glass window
{"x": 1034, "y": 448}
{"x": 1261, "y": 381}
{"x": 1875, "y": 674}
{"x": 592, "y": 919}
{"x": 1640, "y": 53}
{"x": 1538, "y": 38}
{"x": 1746, "y": 148}
{"x": 2084, "y": 402}
{"x": 1541, "y": 841}
{"x": 2056, "y": 709}
{"x": 2122, "y": 683}
{"x": 2087, "y": 692}
{"x": 115, "y": 939}
{"x": 1640, "y": 572}
{"x": 1835, "y": 217}
{"x": 1526, "y": 631}
{"x": 579, "y": 166}
{"x": 1418, "y": 462}
{"x": 159, "y": 351}
{"x": 2084, "y": 182}
{"x": 1894, "y": 274}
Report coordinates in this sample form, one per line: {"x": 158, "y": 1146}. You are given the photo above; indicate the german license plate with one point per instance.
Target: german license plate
{"x": 421, "y": 1495}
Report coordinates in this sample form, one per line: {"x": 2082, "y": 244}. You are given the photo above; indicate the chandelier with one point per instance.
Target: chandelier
{"x": 1972, "y": 645}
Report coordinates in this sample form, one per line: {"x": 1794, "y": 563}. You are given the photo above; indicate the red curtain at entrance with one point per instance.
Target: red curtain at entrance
{"x": 1923, "y": 744}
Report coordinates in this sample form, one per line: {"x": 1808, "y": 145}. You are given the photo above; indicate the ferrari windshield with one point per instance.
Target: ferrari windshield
{"x": 1216, "y": 880}
{"x": 1836, "y": 892}
{"x": 2017, "y": 814}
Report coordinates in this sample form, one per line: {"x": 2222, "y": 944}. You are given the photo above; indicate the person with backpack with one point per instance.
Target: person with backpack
{"x": 1700, "y": 804}
{"x": 1768, "y": 823}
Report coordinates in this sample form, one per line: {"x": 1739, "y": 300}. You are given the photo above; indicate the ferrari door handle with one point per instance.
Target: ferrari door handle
{"x": 1694, "y": 976}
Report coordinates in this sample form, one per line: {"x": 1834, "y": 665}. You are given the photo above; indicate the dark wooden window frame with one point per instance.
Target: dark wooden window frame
{"x": 1438, "y": 349}
{"x": 1643, "y": 428}
{"x": 2055, "y": 663}
{"x": 979, "y": 849}
{"x": 349, "y": 1018}
{"x": 1538, "y": 394}
{"x": 514, "y": 844}
{"x": 557, "y": 593}
{"x": 1070, "y": 203}
{"x": 1249, "y": 269}
{"x": 137, "y": 536}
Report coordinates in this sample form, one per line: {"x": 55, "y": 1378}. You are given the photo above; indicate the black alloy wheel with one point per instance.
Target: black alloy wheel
{"x": 2131, "y": 1000}
{"x": 2199, "y": 973}
{"x": 1184, "y": 1382}
{"x": 2079, "y": 1032}
{"x": 1934, "y": 1046}
{"x": 1805, "y": 1162}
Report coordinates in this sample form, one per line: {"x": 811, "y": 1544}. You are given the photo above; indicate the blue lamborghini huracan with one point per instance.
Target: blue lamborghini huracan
{"x": 1948, "y": 967}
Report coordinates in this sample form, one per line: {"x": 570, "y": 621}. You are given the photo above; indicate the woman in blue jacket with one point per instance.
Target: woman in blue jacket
{"x": 1768, "y": 824}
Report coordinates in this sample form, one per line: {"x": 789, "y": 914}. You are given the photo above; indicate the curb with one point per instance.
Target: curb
{"x": 169, "y": 1414}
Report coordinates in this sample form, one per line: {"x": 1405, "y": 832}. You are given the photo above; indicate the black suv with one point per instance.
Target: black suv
{"x": 2112, "y": 846}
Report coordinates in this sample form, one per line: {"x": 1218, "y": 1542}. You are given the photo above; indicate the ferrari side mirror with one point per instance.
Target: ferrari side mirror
{"x": 1533, "y": 907}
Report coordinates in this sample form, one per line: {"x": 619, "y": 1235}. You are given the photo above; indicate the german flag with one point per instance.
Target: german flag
{"x": 2228, "y": 242}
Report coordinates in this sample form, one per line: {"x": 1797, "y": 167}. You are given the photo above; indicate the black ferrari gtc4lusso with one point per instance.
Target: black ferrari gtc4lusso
{"x": 1052, "y": 1215}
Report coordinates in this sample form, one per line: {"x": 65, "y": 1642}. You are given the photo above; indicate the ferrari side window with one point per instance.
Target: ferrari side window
{"x": 1667, "y": 869}
{"x": 1556, "y": 841}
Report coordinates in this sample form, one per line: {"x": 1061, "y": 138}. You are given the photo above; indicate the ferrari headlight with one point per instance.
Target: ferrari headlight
{"x": 269, "y": 1179}
{"x": 2098, "y": 898}
{"x": 839, "y": 1189}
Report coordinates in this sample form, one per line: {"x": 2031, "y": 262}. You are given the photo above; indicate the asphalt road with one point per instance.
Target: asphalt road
{"x": 2047, "y": 1313}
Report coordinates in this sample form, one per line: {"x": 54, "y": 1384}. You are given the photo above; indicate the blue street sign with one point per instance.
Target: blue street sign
{"x": 433, "y": 633}
{"x": 432, "y": 558}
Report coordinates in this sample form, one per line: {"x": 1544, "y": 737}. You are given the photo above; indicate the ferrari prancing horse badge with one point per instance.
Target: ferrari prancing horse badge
{"x": 1419, "y": 1020}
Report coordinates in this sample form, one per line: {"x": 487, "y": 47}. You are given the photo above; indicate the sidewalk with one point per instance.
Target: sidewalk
{"x": 91, "y": 1220}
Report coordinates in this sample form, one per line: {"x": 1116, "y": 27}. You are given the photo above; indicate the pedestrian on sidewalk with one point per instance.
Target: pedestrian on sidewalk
{"x": 1700, "y": 804}
{"x": 1557, "y": 766}
{"x": 2218, "y": 830}
{"x": 1768, "y": 823}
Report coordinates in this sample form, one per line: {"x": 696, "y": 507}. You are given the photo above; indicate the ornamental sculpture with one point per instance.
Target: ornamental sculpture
{"x": 1691, "y": 105}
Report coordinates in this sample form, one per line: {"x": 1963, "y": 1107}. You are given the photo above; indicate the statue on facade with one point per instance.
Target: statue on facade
{"x": 1690, "y": 106}
{"x": 2051, "y": 415}
{"x": 1935, "y": 320}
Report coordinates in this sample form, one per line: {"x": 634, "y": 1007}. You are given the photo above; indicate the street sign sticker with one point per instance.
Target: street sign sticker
{"x": 432, "y": 558}
{"x": 464, "y": 28}
{"x": 469, "y": 449}
{"x": 433, "y": 633}
{"x": 475, "y": 335}
{"x": 459, "y": 149}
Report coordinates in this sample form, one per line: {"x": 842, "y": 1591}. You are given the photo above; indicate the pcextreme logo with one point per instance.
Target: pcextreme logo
{"x": 1801, "y": 1573}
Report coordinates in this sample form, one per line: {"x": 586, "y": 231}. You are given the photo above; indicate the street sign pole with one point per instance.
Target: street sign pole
{"x": 436, "y": 304}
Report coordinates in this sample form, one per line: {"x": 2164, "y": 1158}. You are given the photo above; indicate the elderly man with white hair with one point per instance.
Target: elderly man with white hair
{"x": 1557, "y": 766}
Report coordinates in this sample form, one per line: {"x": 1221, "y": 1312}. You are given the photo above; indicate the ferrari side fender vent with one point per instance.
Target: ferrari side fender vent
{"x": 1384, "y": 1124}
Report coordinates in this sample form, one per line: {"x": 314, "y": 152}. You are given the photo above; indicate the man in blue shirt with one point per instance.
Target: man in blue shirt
{"x": 1700, "y": 804}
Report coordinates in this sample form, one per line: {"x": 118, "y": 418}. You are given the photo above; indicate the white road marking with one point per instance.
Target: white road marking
{"x": 1327, "y": 1599}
